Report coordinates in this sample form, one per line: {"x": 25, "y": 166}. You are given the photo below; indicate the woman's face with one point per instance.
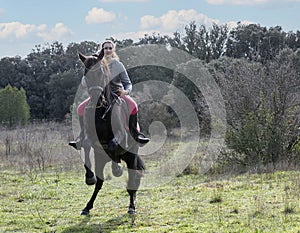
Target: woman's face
{"x": 108, "y": 49}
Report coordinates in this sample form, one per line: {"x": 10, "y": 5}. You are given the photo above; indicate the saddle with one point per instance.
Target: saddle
{"x": 115, "y": 99}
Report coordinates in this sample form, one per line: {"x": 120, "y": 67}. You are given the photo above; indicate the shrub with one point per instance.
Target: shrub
{"x": 14, "y": 108}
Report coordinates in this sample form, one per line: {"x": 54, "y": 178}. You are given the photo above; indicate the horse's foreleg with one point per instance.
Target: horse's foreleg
{"x": 100, "y": 162}
{"x": 90, "y": 178}
{"x": 90, "y": 204}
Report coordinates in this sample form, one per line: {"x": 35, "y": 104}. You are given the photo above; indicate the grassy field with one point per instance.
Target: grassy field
{"x": 52, "y": 200}
{"x": 43, "y": 190}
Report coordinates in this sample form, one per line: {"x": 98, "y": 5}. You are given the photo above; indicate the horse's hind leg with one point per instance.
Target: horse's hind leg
{"x": 135, "y": 172}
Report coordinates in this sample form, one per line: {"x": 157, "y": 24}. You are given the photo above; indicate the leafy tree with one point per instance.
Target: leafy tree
{"x": 205, "y": 43}
{"x": 33, "y": 73}
{"x": 258, "y": 43}
{"x": 43, "y": 62}
{"x": 62, "y": 88}
{"x": 154, "y": 38}
{"x": 13, "y": 71}
{"x": 254, "y": 136}
{"x": 245, "y": 41}
{"x": 13, "y": 106}
{"x": 293, "y": 40}
{"x": 176, "y": 41}
{"x": 217, "y": 41}
{"x": 262, "y": 103}
{"x": 196, "y": 41}
{"x": 42, "y": 69}
{"x": 283, "y": 76}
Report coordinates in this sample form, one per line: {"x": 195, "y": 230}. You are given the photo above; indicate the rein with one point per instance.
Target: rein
{"x": 110, "y": 105}
{"x": 108, "y": 108}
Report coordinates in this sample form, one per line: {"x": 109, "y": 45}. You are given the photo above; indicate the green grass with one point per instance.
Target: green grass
{"x": 51, "y": 202}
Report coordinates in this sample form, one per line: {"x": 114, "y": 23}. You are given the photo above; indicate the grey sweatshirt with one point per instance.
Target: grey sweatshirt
{"x": 118, "y": 76}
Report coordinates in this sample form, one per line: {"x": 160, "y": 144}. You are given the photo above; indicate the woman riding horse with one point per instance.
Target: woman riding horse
{"x": 105, "y": 131}
{"x": 120, "y": 84}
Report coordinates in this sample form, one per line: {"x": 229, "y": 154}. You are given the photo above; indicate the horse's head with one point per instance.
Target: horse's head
{"x": 94, "y": 75}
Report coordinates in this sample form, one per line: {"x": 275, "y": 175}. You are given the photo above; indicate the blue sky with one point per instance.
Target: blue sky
{"x": 26, "y": 23}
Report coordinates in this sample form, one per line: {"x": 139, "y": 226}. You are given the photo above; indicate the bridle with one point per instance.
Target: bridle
{"x": 95, "y": 88}
{"x": 86, "y": 70}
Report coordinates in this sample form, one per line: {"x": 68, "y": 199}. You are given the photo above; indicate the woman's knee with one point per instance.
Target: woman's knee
{"x": 81, "y": 107}
{"x": 132, "y": 106}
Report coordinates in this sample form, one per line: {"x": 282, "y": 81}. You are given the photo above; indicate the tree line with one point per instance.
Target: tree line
{"x": 257, "y": 69}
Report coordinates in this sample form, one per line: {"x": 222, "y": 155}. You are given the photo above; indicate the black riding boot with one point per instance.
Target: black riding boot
{"x": 138, "y": 136}
{"x": 77, "y": 144}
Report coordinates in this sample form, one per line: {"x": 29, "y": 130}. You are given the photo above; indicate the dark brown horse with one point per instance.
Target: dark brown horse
{"x": 105, "y": 131}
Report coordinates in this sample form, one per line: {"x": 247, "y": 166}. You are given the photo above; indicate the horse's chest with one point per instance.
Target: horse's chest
{"x": 104, "y": 128}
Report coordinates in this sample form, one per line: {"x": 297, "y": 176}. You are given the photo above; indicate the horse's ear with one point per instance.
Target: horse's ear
{"x": 101, "y": 54}
{"x": 81, "y": 57}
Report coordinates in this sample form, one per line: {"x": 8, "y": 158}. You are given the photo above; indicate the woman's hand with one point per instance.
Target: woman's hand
{"x": 121, "y": 92}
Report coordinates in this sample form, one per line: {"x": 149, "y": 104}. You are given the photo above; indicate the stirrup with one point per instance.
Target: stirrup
{"x": 142, "y": 139}
{"x": 77, "y": 144}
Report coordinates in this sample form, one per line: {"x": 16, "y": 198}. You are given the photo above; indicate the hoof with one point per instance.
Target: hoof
{"x": 131, "y": 211}
{"x": 117, "y": 170}
{"x": 91, "y": 180}
{"x": 85, "y": 213}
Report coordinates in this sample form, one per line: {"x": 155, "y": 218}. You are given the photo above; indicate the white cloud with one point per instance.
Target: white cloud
{"x": 17, "y": 30}
{"x": 58, "y": 32}
{"x": 175, "y": 20}
{"x": 149, "y": 21}
{"x": 171, "y": 22}
{"x": 135, "y": 36}
{"x": 99, "y": 15}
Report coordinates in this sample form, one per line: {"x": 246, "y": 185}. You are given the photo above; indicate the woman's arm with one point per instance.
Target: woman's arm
{"x": 126, "y": 82}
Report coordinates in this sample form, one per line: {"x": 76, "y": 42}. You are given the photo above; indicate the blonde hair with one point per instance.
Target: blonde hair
{"x": 106, "y": 70}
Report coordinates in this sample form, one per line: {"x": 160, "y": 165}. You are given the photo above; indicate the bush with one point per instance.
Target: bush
{"x": 14, "y": 108}
{"x": 260, "y": 137}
